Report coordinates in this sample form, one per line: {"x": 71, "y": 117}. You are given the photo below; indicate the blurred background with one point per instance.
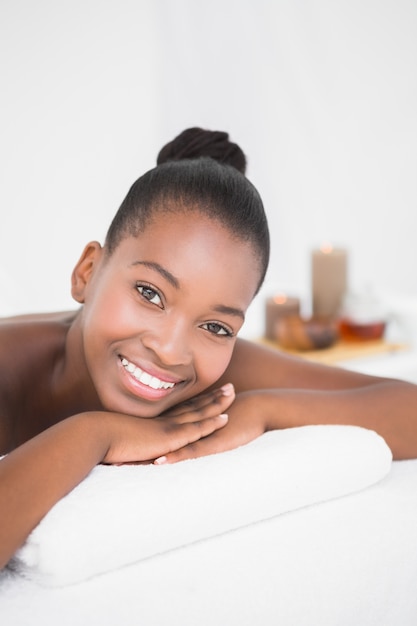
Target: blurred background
{"x": 320, "y": 94}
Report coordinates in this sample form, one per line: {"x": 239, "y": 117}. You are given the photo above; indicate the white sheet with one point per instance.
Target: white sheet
{"x": 121, "y": 515}
{"x": 351, "y": 561}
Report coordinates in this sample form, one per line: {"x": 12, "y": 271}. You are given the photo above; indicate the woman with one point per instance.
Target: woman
{"x": 149, "y": 369}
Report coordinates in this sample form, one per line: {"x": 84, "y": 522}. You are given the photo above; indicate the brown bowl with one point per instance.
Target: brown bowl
{"x": 297, "y": 333}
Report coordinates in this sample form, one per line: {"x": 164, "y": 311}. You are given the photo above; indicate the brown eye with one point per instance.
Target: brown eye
{"x": 149, "y": 294}
{"x": 217, "y": 329}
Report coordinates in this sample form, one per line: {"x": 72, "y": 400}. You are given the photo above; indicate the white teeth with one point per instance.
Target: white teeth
{"x": 137, "y": 373}
{"x": 144, "y": 377}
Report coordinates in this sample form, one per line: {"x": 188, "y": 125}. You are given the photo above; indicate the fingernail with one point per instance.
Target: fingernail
{"x": 227, "y": 389}
{"x": 160, "y": 461}
{"x": 224, "y": 416}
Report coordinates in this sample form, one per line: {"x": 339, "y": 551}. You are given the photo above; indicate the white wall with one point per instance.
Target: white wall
{"x": 321, "y": 95}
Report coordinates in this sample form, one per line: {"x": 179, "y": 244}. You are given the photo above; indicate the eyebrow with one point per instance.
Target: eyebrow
{"x": 229, "y": 310}
{"x": 218, "y": 308}
{"x": 161, "y": 270}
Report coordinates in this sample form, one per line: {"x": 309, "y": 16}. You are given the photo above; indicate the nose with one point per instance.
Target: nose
{"x": 171, "y": 343}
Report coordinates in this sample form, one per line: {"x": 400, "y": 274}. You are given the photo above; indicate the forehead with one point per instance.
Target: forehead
{"x": 196, "y": 249}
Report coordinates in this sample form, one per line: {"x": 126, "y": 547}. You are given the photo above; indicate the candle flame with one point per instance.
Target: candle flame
{"x": 281, "y": 298}
{"x": 326, "y": 248}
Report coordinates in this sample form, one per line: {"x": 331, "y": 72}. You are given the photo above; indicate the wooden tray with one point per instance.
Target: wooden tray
{"x": 343, "y": 350}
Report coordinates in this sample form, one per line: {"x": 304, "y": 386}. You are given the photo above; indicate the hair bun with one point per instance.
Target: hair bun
{"x": 197, "y": 142}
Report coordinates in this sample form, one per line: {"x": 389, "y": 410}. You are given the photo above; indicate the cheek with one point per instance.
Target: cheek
{"x": 210, "y": 365}
{"x": 109, "y": 312}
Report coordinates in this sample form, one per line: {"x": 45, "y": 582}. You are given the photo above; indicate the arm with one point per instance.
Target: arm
{"x": 390, "y": 409}
{"x": 254, "y": 366}
{"x": 44, "y": 469}
{"x": 278, "y": 391}
{"x": 310, "y": 393}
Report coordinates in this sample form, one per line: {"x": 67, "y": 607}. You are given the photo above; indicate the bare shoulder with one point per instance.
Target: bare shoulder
{"x": 256, "y": 366}
{"x": 28, "y": 348}
{"x": 37, "y": 318}
{"x": 23, "y": 335}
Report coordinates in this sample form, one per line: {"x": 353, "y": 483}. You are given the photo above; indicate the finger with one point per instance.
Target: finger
{"x": 203, "y": 413}
{"x": 209, "y": 406}
{"x": 186, "y": 434}
{"x": 213, "y": 444}
{"x": 199, "y": 402}
{"x": 193, "y": 404}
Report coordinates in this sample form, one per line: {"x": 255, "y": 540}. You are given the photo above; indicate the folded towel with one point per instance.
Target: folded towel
{"x": 120, "y": 515}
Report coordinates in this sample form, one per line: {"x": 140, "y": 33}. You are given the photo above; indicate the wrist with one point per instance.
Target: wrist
{"x": 272, "y": 408}
{"x": 89, "y": 433}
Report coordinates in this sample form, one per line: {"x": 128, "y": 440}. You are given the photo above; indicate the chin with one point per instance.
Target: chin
{"x": 134, "y": 409}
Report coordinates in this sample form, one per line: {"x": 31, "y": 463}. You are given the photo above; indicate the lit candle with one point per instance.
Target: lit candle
{"x": 276, "y": 307}
{"x": 329, "y": 280}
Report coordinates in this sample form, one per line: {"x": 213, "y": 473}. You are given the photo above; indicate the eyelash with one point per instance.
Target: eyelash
{"x": 227, "y": 332}
{"x": 147, "y": 287}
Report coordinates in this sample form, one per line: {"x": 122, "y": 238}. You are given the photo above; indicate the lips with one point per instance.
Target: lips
{"x": 144, "y": 377}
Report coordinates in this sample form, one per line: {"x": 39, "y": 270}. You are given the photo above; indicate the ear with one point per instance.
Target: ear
{"x": 84, "y": 270}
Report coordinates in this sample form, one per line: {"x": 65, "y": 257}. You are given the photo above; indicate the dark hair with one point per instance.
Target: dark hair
{"x": 197, "y": 142}
{"x": 203, "y": 185}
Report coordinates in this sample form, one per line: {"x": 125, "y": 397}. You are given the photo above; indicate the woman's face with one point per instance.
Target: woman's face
{"x": 161, "y": 314}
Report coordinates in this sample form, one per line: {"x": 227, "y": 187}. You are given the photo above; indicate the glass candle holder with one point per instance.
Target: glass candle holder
{"x": 362, "y": 318}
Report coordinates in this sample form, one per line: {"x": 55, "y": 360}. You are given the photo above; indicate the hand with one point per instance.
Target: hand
{"x": 137, "y": 440}
{"x": 204, "y": 405}
{"x": 245, "y": 423}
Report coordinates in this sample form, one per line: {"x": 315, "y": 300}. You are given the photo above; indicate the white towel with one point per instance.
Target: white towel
{"x": 120, "y": 515}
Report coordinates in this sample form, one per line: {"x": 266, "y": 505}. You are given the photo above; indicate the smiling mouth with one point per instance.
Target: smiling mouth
{"x": 144, "y": 377}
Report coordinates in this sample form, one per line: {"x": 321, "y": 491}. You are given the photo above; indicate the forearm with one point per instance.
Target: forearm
{"x": 40, "y": 472}
{"x": 389, "y": 408}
